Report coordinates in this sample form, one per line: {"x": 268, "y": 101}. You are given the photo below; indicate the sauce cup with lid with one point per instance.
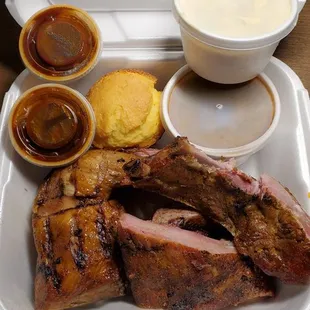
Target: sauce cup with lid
{"x": 60, "y": 43}
{"x": 233, "y": 55}
{"x": 51, "y": 125}
{"x": 224, "y": 121}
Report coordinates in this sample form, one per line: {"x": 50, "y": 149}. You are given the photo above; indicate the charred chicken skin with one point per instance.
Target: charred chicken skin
{"x": 74, "y": 228}
{"x": 77, "y": 262}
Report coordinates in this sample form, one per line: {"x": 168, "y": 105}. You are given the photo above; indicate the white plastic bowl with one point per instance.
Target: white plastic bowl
{"x": 241, "y": 153}
{"x": 229, "y": 60}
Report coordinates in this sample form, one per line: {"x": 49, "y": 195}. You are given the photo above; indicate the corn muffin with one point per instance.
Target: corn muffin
{"x": 127, "y": 109}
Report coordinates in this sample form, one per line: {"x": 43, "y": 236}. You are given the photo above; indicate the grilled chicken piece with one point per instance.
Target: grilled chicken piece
{"x": 268, "y": 223}
{"x": 77, "y": 259}
{"x": 88, "y": 181}
{"x": 74, "y": 229}
{"x": 171, "y": 268}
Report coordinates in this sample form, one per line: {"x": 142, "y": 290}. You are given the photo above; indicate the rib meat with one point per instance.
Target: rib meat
{"x": 171, "y": 268}
{"x": 143, "y": 204}
{"x": 268, "y": 223}
{"x": 191, "y": 220}
{"x": 185, "y": 219}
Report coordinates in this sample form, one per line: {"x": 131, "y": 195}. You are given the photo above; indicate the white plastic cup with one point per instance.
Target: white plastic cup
{"x": 242, "y": 153}
{"x": 71, "y": 75}
{"x": 80, "y": 100}
{"x": 230, "y": 60}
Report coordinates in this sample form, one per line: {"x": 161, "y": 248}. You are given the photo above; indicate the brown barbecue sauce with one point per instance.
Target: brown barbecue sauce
{"x": 50, "y": 124}
{"x": 59, "y": 42}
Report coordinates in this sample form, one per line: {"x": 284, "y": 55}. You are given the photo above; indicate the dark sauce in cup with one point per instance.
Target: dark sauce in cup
{"x": 50, "y": 124}
{"x": 59, "y": 41}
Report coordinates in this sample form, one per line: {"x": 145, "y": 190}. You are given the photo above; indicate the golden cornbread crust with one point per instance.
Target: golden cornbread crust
{"x": 124, "y": 71}
{"x": 98, "y": 84}
{"x": 127, "y": 109}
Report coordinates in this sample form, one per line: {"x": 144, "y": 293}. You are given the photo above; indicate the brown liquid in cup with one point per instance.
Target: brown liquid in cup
{"x": 221, "y": 116}
{"x": 50, "y": 125}
{"x": 59, "y": 43}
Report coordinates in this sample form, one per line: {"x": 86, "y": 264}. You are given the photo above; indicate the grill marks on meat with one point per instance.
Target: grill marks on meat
{"x": 268, "y": 223}
{"x": 48, "y": 268}
{"x": 78, "y": 260}
{"x": 107, "y": 227}
{"x": 84, "y": 266}
{"x": 74, "y": 268}
{"x": 75, "y": 230}
{"x": 175, "y": 269}
{"x": 104, "y": 237}
{"x": 76, "y": 245}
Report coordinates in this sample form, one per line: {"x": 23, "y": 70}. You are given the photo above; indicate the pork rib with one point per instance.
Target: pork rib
{"x": 185, "y": 219}
{"x": 268, "y": 223}
{"x": 171, "y": 268}
{"x": 191, "y": 220}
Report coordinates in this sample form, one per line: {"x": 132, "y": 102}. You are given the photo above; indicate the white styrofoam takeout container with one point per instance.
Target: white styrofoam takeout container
{"x": 228, "y": 60}
{"x": 286, "y": 157}
{"x": 240, "y": 153}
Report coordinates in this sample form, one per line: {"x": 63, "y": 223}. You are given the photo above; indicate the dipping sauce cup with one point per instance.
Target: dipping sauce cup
{"x": 224, "y": 121}
{"x": 60, "y": 43}
{"x": 51, "y": 125}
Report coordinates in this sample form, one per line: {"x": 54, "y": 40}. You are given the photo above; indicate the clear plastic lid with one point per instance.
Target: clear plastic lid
{"x": 123, "y": 23}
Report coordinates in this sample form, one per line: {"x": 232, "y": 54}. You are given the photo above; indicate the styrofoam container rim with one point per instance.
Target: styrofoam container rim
{"x": 237, "y": 152}
{"x": 72, "y": 158}
{"x": 239, "y": 43}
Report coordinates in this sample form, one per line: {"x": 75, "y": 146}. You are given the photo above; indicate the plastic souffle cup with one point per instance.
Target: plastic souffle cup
{"x": 231, "y": 60}
{"x": 235, "y": 121}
